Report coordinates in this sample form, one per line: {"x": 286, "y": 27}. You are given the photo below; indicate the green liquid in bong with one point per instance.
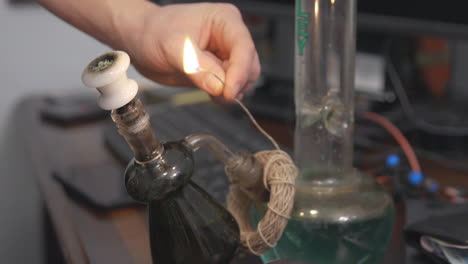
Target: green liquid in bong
{"x": 339, "y": 242}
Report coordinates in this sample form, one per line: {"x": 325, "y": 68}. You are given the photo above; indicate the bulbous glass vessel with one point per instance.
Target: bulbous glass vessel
{"x": 186, "y": 224}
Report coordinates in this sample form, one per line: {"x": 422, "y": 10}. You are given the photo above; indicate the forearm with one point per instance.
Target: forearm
{"x": 109, "y": 21}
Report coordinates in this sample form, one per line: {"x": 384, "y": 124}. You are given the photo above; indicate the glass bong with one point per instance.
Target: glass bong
{"x": 340, "y": 215}
{"x": 186, "y": 224}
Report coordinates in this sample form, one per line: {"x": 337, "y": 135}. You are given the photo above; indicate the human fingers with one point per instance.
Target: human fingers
{"x": 254, "y": 74}
{"x": 239, "y": 71}
{"x": 237, "y": 48}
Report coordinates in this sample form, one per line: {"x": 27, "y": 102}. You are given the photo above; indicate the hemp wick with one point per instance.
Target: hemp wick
{"x": 279, "y": 174}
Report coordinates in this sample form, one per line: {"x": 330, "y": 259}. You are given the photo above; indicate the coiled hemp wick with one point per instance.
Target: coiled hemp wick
{"x": 279, "y": 174}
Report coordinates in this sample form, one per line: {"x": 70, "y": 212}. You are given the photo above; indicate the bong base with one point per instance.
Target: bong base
{"x": 337, "y": 223}
{"x": 190, "y": 227}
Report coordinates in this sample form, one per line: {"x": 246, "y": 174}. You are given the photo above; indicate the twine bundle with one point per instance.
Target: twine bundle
{"x": 279, "y": 174}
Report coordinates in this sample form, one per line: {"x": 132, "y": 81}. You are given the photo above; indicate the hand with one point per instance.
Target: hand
{"x": 223, "y": 42}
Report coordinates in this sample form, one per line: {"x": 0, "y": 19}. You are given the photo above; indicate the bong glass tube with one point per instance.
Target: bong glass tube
{"x": 324, "y": 68}
{"x": 340, "y": 215}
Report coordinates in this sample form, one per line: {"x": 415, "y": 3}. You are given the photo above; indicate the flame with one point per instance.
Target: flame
{"x": 191, "y": 64}
{"x": 316, "y": 8}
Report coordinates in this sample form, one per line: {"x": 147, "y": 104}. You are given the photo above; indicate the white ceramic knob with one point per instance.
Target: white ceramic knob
{"x": 108, "y": 74}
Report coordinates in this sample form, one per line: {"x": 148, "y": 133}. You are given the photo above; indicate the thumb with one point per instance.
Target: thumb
{"x": 210, "y": 76}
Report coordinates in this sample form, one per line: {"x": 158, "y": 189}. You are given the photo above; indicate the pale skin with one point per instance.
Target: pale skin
{"x": 154, "y": 36}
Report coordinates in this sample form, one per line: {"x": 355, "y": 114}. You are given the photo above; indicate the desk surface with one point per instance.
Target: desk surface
{"x": 118, "y": 236}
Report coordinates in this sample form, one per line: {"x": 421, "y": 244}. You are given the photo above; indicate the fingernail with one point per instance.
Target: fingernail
{"x": 213, "y": 84}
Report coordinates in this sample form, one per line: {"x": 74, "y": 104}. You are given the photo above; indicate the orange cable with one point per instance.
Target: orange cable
{"x": 399, "y": 137}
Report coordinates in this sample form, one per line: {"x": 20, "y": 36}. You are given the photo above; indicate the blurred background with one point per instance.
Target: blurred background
{"x": 40, "y": 54}
{"x": 410, "y": 68}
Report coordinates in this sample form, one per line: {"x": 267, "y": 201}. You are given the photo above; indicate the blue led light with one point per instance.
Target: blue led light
{"x": 393, "y": 160}
{"x": 415, "y": 178}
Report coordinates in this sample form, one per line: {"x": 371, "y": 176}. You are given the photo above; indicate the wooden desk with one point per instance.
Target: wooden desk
{"x": 84, "y": 235}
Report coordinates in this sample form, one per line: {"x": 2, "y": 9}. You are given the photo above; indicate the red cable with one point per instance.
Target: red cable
{"x": 399, "y": 137}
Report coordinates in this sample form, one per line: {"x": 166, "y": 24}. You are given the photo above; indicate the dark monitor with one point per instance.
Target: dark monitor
{"x": 428, "y": 17}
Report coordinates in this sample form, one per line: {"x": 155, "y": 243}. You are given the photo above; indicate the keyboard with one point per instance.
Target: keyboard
{"x": 173, "y": 123}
